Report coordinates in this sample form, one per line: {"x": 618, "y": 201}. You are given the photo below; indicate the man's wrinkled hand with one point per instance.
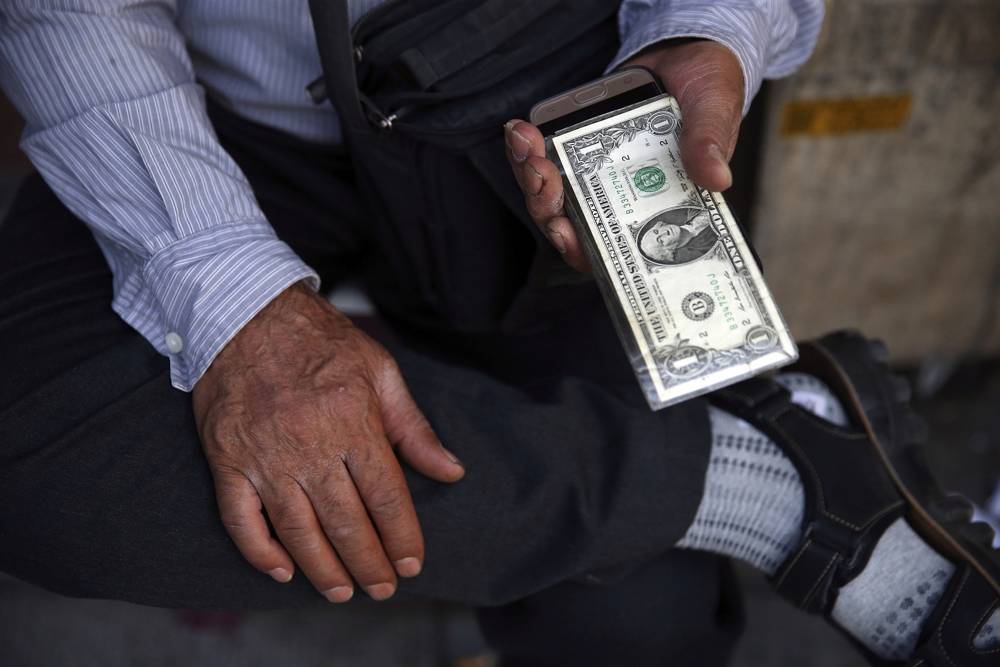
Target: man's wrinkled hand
{"x": 707, "y": 80}
{"x": 302, "y": 416}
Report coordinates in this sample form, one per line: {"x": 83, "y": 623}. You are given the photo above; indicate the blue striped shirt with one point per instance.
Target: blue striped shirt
{"x": 116, "y": 125}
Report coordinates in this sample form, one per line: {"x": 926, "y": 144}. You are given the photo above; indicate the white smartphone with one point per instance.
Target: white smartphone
{"x": 617, "y": 90}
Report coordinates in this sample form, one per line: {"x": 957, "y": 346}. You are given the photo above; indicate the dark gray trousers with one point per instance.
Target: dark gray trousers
{"x": 561, "y": 530}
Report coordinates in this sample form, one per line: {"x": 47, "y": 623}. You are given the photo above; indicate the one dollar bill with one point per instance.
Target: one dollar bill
{"x": 679, "y": 279}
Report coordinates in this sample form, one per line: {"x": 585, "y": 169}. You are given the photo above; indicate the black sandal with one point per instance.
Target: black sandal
{"x": 858, "y": 480}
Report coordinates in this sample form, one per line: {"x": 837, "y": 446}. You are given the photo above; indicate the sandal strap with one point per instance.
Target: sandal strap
{"x": 964, "y": 607}
{"x": 841, "y": 529}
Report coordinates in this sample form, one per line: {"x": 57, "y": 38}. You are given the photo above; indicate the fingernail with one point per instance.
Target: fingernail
{"x": 408, "y": 567}
{"x": 281, "y": 575}
{"x": 339, "y": 594}
{"x": 517, "y": 143}
{"x": 380, "y": 591}
{"x": 535, "y": 190}
{"x": 452, "y": 457}
{"x": 716, "y": 154}
{"x": 557, "y": 239}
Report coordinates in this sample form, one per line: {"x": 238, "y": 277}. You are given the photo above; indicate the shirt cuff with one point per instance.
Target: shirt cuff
{"x": 207, "y": 287}
{"x": 743, "y": 30}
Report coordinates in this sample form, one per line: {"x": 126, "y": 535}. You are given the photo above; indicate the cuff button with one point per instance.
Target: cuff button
{"x": 174, "y": 342}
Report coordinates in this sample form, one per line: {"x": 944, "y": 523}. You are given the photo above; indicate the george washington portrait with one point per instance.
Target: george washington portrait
{"x": 676, "y": 236}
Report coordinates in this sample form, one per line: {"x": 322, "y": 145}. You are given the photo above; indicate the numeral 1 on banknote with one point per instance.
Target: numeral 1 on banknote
{"x": 679, "y": 279}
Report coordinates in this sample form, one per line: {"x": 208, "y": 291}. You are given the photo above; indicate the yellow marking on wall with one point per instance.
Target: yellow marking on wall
{"x": 842, "y": 116}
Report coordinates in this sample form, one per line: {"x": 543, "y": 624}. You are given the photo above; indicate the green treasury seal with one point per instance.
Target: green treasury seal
{"x": 649, "y": 179}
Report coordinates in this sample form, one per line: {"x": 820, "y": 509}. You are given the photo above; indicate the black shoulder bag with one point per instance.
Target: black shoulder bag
{"x": 422, "y": 88}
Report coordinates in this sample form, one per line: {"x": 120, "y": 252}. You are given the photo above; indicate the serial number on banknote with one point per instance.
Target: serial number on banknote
{"x": 678, "y": 276}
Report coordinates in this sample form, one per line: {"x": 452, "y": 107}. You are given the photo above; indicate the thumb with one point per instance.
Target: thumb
{"x": 411, "y": 434}
{"x": 708, "y": 139}
{"x": 707, "y": 80}
{"x": 711, "y": 107}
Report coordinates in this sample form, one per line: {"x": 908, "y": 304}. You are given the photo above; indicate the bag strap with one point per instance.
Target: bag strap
{"x": 336, "y": 53}
{"x": 470, "y": 37}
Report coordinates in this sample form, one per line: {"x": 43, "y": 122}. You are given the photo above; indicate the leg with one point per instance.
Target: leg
{"x": 632, "y": 621}
{"x": 104, "y": 491}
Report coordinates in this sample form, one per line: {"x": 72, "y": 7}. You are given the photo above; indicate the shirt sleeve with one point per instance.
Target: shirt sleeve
{"x": 117, "y": 126}
{"x": 771, "y": 38}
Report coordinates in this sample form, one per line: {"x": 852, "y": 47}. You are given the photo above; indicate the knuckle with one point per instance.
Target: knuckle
{"x": 221, "y": 437}
{"x": 362, "y": 457}
{"x": 242, "y": 536}
{"x": 349, "y": 403}
{"x": 217, "y": 430}
{"x": 558, "y": 201}
{"x": 388, "y": 504}
{"x": 388, "y": 364}
{"x": 290, "y": 524}
{"x": 329, "y": 495}
{"x": 299, "y": 539}
{"x": 708, "y": 95}
{"x": 234, "y": 518}
{"x": 229, "y": 481}
{"x": 302, "y": 434}
{"x": 529, "y": 132}
{"x": 345, "y": 531}
{"x": 294, "y": 530}
{"x": 540, "y": 165}
{"x": 356, "y": 382}
{"x": 540, "y": 209}
{"x": 547, "y": 168}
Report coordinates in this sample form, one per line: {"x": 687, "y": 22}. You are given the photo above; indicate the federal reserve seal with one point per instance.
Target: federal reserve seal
{"x": 649, "y": 179}
{"x": 698, "y": 306}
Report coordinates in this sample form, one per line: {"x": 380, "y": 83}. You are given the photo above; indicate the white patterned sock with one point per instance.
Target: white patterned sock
{"x": 752, "y": 504}
{"x": 885, "y": 607}
{"x": 988, "y": 637}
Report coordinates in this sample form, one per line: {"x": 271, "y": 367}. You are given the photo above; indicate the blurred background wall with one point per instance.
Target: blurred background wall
{"x": 879, "y": 179}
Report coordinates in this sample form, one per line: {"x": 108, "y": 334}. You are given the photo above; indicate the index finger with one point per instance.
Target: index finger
{"x": 523, "y": 140}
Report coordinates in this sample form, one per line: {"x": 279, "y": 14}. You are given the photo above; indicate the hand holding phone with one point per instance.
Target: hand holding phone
{"x": 704, "y": 76}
